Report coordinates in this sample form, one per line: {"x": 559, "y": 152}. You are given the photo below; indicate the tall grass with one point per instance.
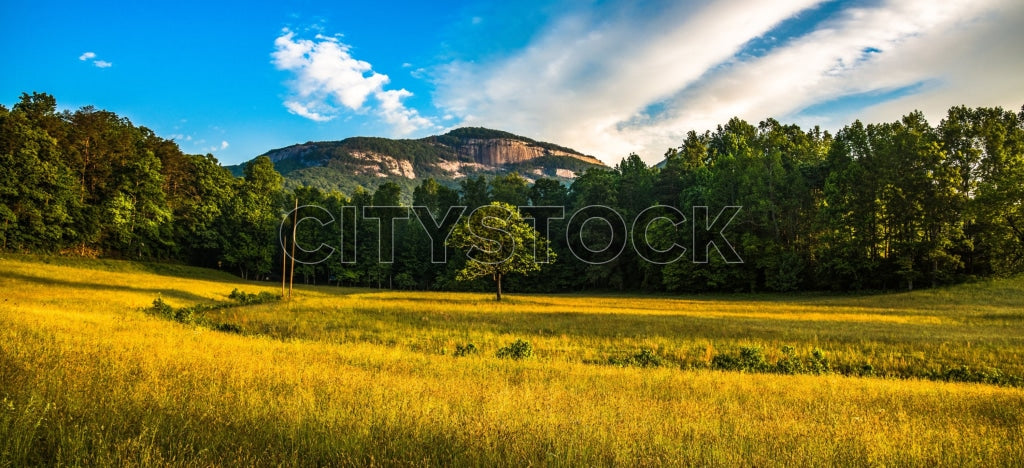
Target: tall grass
{"x": 355, "y": 377}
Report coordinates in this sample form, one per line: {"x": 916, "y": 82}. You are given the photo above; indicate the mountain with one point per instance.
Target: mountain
{"x": 464, "y": 152}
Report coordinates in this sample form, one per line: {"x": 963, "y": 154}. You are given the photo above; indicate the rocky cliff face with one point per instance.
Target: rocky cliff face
{"x": 347, "y": 164}
{"x": 500, "y": 151}
{"x": 381, "y": 165}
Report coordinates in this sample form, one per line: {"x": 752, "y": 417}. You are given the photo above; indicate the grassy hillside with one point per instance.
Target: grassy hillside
{"x": 345, "y": 376}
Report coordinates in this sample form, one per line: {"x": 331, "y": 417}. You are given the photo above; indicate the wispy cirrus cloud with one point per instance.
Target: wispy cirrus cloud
{"x": 588, "y": 74}
{"x": 327, "y": 81}
{"x": 613, "y": 82}
{"x": 883, "y": 52}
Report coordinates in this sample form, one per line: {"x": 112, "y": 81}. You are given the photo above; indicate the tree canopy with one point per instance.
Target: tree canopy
{"x": 498, "y": 242}
{"x": 893, "y": 205}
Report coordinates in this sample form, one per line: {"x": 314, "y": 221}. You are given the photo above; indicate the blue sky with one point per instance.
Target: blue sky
{"x": 608, "y": 78}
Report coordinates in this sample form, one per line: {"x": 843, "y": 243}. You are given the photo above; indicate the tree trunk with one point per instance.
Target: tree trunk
{"x": 497, "y": 278}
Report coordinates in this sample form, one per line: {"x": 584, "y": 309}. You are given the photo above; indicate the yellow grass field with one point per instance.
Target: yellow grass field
{"x": 89, "y": 376}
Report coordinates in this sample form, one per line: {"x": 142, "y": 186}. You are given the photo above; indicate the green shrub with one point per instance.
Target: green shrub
{"x": 789, "y": 363}
{"x": 162, "y": 309}
{"x": 518, "y": 350}
{"x": 725, "y": 362}
{"x": 228, "y": 328}
{"x": 466, "y": 350}
{"x": 752, "y": 359}
{"x": 645, "y": 358}
{"x": 818, "y": 363}
{"x": 184, "y": 315}
{"x": 246, "y": 298}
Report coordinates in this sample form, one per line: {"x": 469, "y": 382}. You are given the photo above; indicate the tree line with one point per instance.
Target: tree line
{"x": 882, "y": 206}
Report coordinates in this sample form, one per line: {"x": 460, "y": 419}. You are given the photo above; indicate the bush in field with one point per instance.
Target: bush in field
{"x": 247, "y": 298}
{"x": 750, "y": 359}
{"x": 518, "y": 350}
{"x": 966, "y": 374}
{"x": 466, "y": 350}
{"x": 185, "y": 315}
{"x": 725, "y": 362}
{"x": 818, "y": 363}
{"x": 196, "y": 314}
{"x": 789, "y": 363}
{"x": 645, "y": 358}
{"x": 162, "y": 308}
{"x": 228, "y": 328}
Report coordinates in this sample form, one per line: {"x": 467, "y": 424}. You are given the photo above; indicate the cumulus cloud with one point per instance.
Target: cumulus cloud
{"x": 328, "y": 81}
{"x": 87, "y": 56}
{"x": 639, "y": 82}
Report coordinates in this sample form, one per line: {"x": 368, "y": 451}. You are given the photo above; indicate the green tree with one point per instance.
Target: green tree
{"x": 202, "y": 188}
{"x": 475, "y": 192}
{"x": 250, "y": 225}
{"x": 548, "y": 192}
{"x": 137, "y": 210}
{"x": 498, "y": 242}
{"x": 510, "y": 188}
{"x": 436, "y": 197}
{"x": 388, "y": 194}
{"x": 37, "y": 191}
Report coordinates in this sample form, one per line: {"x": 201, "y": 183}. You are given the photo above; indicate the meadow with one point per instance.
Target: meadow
{"x": 91, "y": 375}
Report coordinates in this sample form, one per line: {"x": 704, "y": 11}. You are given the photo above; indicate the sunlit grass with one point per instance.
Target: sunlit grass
{"x": 898, "y": 335}
{"x": 354, "y": 376}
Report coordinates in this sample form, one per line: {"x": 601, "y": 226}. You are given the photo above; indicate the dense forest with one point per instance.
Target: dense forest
{"x": 883, "y": 206}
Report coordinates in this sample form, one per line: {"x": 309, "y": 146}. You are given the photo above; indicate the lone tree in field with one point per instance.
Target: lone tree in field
{"x": 497, "y": 242}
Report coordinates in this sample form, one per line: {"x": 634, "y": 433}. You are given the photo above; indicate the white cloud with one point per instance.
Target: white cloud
{"x": 87, "y": 56}
{"x": 304, "y": 110}
{"x": 590, "y": 82}
{"x": 977, "y": 62}
{"x": 327, "y": 80}
{"x": 402, "y": 119}
{"x": 587, "y": 74}
{"x": 864, "y": 50}
{"x": 214, "y": 148}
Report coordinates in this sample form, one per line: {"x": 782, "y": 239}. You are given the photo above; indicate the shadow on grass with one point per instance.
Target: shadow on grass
{"x": 170, "y": 293}
{"x": 582, "y": 325}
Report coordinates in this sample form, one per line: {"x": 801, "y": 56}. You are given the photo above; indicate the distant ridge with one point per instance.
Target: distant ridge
{"x": 464, "y": 152}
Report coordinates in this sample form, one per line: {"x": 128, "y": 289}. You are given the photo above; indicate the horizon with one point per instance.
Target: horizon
{"x": 604, "y": 79}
